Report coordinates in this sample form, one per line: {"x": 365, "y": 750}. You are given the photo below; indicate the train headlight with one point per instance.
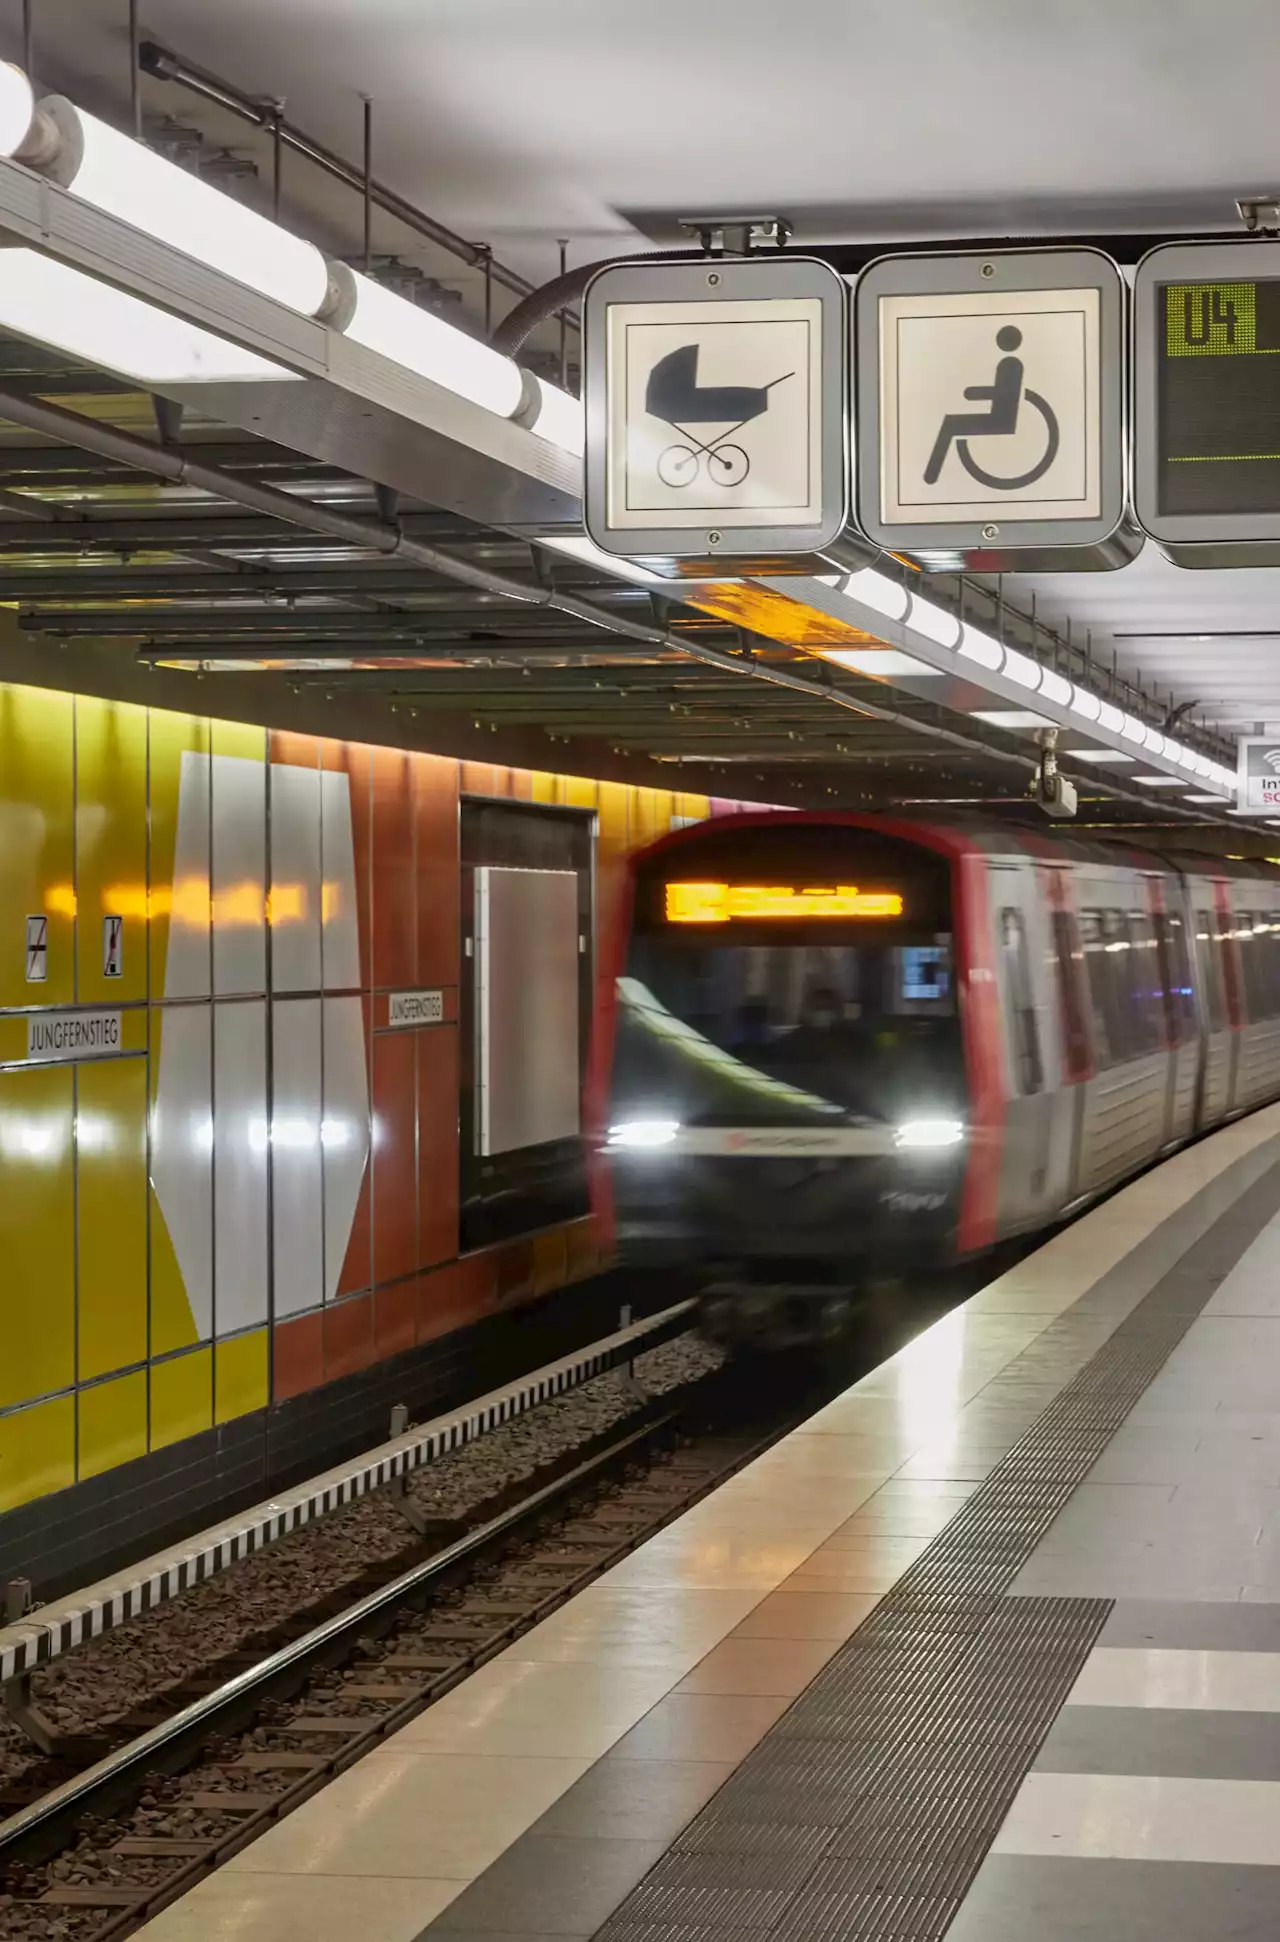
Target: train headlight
{"x": 641, "y": 1134}
{"x": 918, "y": 1133}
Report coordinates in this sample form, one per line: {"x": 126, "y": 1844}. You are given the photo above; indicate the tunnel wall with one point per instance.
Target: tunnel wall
{"x": 227, "y": 909}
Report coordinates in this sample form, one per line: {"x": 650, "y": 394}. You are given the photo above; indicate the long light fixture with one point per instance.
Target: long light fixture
{"x": 980, "y": 647}
{"x": 17, "y": 107}
{"x": 123, "y": 178}
{"x": 52, "y": 303}
{"x": 556, "y": 416}
{"x": 127, "y": 180}
{"x": 920, "y": 621}
{"x": 428, "y": 346}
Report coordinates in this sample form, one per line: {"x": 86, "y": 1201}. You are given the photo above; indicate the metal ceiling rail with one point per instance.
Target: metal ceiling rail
{"x": 183, "y": 467}
{"x": 164, "y": 65}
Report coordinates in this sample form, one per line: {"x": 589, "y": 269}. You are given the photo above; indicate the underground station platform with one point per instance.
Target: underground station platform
{"x": 991, "y": 1641}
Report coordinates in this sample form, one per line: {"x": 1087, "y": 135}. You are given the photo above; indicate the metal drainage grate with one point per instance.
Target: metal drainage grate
{"x": 865, "y": 1813}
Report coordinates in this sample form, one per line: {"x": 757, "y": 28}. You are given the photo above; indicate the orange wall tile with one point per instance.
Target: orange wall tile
{"x": 297, "y": 1355}
{"x": 437, "y": 1050}
{"x": 348, "y": 1336}
{"x": 435, "y": 795}
{"x": 394, "y": 891}
{"x": 395, "y": 1173}
{"x": 394, "y": 1318}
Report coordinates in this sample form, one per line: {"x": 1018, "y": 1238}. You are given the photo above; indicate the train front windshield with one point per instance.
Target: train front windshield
{"x": 866, "y": 1028}
{"x": 790, "y": 975}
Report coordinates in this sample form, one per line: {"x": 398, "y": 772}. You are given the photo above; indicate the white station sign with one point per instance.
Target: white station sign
{"x": 716, "y": 407}
{"x": 1258, "y": 792}
{"x": 991, "y": 393}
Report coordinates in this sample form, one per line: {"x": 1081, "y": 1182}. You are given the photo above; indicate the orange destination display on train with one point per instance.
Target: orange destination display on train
{"x": 720, "y": 903}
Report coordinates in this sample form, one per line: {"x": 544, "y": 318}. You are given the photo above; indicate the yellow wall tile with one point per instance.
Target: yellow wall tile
{"x": 111, "y": 845}
{"x": 577, "y": 792}
{"x": 181, "y": 1397}
{"x": 113, "y": 1423}
{"x": 37, "y": 1451}
{"x": 37, "y": 1233}
{"x": 241, "y": 1375}
{"x": 239, "y": 738}
{"x": 37, "y": 846}
{"x": 614, "y": 814}
{"x": 111, "y": 1215}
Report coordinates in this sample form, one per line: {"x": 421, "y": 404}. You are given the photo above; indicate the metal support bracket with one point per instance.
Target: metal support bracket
{"x": 630, "y": 1380}
{"x": 414, "y": 1517}
{"x": 737, "y": 235}
{"x": 168, "y": 415}
{"x": 1260, "y": 214}
{"x": 16, "y": 1693}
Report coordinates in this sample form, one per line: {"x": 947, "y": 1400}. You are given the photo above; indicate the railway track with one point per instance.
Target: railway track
{"x": 257, "y": 1733}
{"x": 242, "y": 1741}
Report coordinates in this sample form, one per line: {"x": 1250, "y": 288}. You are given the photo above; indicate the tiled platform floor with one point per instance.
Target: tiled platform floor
{"x": 530, "y": 1802}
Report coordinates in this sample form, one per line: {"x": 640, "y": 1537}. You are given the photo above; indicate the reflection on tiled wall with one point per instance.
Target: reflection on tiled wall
{"x": 223, "y": 1177}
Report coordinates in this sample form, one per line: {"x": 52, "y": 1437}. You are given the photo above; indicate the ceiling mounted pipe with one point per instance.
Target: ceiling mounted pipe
{"x": 166, "y": 66}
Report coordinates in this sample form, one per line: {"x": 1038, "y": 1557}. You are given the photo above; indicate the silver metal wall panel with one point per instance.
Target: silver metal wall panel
{"x": 527, "y": 1025}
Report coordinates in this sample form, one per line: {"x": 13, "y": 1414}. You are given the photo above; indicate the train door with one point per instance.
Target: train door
{"x": 1169, "y": 915}
{"x": 1256, "y": 937}
{"x": 1215, "y": 1019}
{"x": 1124, "y": 1116}
{"x": 1027, "y": 1182}
{"x": 1076, "y": 1068}
{"x": 1222, "y": 919}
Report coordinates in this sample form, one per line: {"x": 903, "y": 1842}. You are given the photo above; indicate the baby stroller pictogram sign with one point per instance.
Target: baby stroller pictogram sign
{"x": 716, "y": 413}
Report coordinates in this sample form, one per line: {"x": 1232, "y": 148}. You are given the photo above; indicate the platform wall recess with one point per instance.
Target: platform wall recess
{"x": 225, "y": 1177}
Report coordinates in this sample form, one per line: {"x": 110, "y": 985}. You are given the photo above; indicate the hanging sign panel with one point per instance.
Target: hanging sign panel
{"x": 990, "y": 400}
{"x": 1207, "y": 401}
{"x": 1258, "y": 789}
{"x": 716, "y": 407}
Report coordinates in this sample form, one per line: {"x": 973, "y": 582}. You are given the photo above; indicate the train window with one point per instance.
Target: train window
{"x": 1107, "y": 947}
{"x": 1075, "y": 1029}
{"x": 1175, "y": 974}
{"x": 1258, "y": 938}
{"x": 1021, "y": 999}
{"x": 1209, "y": 961}
{"x": 1146, "y": 986}
{"x": 1267, "y": 943}
{"x": 1224, "y": 925}
{"x": 1248, "y": 963}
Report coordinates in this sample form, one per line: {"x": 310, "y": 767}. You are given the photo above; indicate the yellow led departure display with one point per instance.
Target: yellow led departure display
{"x": 721, "y": 903}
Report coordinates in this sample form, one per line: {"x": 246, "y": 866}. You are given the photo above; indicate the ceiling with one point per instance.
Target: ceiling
{"x": 522, "y": 123}
{"x": 601, "y": 123}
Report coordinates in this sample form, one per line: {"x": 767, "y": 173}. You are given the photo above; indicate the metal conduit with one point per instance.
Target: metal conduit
{"x": 183, "y": 468}
{"x": 166, "y": 66}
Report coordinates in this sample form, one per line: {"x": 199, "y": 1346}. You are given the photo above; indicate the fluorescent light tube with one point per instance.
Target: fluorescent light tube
{"x": 124, "y": 179}
{"x": 17, "y": 106}
{"x": 559, "y": 418}
{"x": 431, "y": 348}
{"x": 52, "y": 303}
{"x": 979, "y": 647}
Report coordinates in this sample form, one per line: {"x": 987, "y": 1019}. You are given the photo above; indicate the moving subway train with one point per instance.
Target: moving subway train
{"x": 845, "y": 1043}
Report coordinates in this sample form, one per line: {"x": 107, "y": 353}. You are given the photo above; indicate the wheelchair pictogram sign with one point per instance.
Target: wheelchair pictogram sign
{"x": 1005, "y": 395}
